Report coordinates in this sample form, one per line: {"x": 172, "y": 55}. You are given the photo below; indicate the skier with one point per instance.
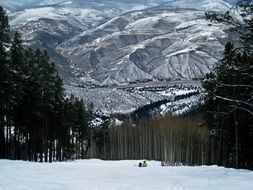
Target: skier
{"x": 144, "y": 164}
{"x": 140, "y": 164}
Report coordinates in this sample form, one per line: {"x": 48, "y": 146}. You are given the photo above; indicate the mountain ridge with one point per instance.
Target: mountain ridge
{"x": 97, "y": 47}
{"x": 129, "y": 39}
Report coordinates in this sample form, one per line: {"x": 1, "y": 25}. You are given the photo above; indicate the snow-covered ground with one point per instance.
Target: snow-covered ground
{"x": 119, "y": 175}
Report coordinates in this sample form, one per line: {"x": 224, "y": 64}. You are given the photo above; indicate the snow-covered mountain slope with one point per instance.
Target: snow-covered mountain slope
{"x": 98, "y": 43}
{"x": 127, "y": 99}
{"x": 112, "y": 100}
{"x": 121, "y": 175}
{"x": 207, "y": 5}
{"x": 102, "y": 43}
{"x": 77, "y": 16}
{"x": 15, "y": 5}
{"x": 181, "y": 106}
{"x": 19, "y": 5}
{"x": 49, "y": 25}
{"x": 156, "y": 43}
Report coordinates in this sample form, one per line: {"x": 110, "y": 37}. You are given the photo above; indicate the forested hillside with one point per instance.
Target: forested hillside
{"x": 36, "y": 121}
{"x": 229, "y": 100}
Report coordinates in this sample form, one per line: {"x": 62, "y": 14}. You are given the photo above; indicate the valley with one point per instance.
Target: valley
{"x": 142, "y": 80}
{"x": 108, "y": 53}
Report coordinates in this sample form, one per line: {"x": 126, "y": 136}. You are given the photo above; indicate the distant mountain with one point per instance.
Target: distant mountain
{"x": 19, "y": 5}
{"x": 103, "y": 43}
{"x": 16, "y": 5}
{"x": 118, "y": 43}
{"x": 50, "y": 25}
{"x": 157, "y": 43}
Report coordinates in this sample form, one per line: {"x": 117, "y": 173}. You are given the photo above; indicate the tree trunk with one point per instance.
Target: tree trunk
{"x": 236, "y": 143}
{"x": 2, "y": 138}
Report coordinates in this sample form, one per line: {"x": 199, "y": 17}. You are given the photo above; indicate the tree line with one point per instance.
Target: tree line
{"x": 37, "y": 122}
{"x": 174, "y": 140}
{"x": 151, "y": 110}
{"x": 229, "y": 100}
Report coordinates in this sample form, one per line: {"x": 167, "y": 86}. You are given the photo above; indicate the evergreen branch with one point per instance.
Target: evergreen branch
{"x": 250, "y": 112}
{"x": 234, "y": 100}
{"x": 234, "y": 85}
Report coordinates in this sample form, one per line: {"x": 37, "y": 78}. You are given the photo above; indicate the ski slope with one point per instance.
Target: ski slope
{"x": 119, "y": 175}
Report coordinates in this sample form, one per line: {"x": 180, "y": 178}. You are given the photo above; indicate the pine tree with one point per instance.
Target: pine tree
{"x": 18, "y": 77}
{"x": 37, "y": 123}
{"x": 229, "y": 100}
{"x": 5, "y": 84}
{"x": 4, "y": 26}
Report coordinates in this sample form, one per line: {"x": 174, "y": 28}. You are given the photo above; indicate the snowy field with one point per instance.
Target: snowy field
{"x": 119, "y": 175}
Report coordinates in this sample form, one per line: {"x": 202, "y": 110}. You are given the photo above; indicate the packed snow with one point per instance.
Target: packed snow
{"x": 119, "y": 175}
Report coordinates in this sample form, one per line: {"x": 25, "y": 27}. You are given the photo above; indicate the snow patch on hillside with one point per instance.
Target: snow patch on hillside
{"x": 207, "y": 5}
{"x": 66, "y": 13}
{"x": 67, "y": 3}
{"x": 34, "y": 15}
{"x": 179, "y": 107}
{"x": 176, "y": 92}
